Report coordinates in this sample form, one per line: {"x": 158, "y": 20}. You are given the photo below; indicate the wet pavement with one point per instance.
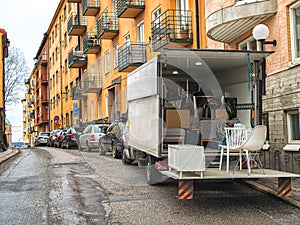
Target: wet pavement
{"x": 85, "y": 188}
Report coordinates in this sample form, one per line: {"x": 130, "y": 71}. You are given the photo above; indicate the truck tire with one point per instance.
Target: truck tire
{"x": 125, "y": 159}
{"x": 153, "y": 175}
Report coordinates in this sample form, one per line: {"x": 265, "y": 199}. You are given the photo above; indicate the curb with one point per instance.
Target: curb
{"x": 265, "y": 189}
{"x": 8, "y": 155}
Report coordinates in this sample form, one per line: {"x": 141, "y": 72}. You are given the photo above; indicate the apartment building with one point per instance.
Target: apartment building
{"x": 93, "y": 45}
{"x": 29, "y": 128}
{"x": 4, "y": 43}
{"x": 229, "y": 25}
{"x": 41, "y": 106}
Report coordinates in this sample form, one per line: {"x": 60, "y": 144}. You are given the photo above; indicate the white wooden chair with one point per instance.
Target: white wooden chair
{"x": 235, "y": 137}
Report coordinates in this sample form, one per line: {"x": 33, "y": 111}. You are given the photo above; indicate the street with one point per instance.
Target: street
{"x": 56, "y": 186}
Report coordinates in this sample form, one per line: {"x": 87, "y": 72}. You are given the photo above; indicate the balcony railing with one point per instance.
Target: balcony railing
{"x": 131, "y": 55}
{"x": 90, "y": 7}
{"x": 107, "y": 26}
{"x": 78, "y": 93}
{"x": 92, "y": 83}
{"x": 76, "y": 25}
{"x": 91, "y": 44}
{"x": 73, "y": 1}
{"x": 130, "y": 8}
{"x": 76, "y": 59}
{"x": 173, "y": 26}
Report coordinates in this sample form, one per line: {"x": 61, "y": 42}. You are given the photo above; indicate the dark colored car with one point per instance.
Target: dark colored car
{"x": 59, "y": 137}
{"x": 114, "y": 139}
{"x": 71, "y": 137}
{"x": 42, "y": 138}
{"x": 51, "y": 139}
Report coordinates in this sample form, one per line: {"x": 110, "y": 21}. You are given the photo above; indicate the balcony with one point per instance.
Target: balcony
{"x": 131, "y": 56}
{"x": 130, "y": 8}
{"x": 227, "y": 24}
{"x": 172, "y": 28}
{"x": 91, "y": 44}
{"x": 73, "y": 1}
{"x": 92, "y": 83}
{"x": 107, "y": 26}
{"x": 76, "y": 25}
{"x": 77, "y": 93}
{"x": 76, "y": 59}
{"x": 90, "y": 7}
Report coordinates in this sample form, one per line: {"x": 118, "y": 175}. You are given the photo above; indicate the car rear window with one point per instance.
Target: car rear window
{"x": 101, "y": 129}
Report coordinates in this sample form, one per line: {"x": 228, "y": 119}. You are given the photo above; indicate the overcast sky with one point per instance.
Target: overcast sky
{"x": 25, "y": 22}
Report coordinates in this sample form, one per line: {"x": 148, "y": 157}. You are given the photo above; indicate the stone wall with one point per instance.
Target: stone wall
{"x": 282, "y": 94}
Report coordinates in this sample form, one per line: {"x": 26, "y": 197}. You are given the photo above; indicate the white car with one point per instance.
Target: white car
{"x": 89, "y": 139}
{"x": 42, "y": 138}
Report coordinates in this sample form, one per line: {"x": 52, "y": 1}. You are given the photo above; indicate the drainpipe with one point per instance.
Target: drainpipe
{"x": 197, "y": 24}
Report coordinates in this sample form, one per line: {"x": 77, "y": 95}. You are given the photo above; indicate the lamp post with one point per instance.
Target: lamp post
{"x": 260, "y": 33}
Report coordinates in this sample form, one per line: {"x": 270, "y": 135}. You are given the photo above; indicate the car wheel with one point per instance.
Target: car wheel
{"x": 79, "y": 147}
{"x": 88, "y": 149}
{"x": 67, "y": 145}
{"x": 125, "y": 159}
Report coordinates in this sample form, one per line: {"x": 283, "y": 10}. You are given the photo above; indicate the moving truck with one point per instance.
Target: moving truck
{"x": 178, "y": 104}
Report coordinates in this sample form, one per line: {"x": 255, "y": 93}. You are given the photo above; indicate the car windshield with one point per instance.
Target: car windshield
{"x": 100, "y": 129}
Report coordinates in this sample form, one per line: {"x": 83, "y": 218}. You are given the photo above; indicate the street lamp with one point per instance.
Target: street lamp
{"x": 261, "y": 32}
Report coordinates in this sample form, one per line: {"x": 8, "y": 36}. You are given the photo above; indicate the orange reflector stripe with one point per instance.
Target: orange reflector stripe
{"x": 284, "y": 186}
{"x": 185, "y": 189}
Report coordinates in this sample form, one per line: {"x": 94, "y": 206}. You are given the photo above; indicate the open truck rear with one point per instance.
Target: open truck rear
{"x": 178, "y": 104}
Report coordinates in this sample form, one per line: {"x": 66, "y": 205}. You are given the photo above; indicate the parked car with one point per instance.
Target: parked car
{"x": 59, "y": 137}
{"x": 114, "y": 140}
{"x": 42, "y": 138}
{"x": 71, "y": 137}
{"x": 51, "y": 139}
{"x": 90, "y": 136}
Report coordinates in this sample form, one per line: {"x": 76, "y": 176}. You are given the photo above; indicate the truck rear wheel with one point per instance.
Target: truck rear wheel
{"x": 153, "y": 175}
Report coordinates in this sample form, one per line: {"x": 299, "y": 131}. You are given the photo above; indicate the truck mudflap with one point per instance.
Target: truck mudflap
{"x": 284, "y": 187}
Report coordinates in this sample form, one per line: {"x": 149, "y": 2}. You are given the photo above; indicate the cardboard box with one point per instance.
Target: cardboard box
{"x": 178, "y": 118}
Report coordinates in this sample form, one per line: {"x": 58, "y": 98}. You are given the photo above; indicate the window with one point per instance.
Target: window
{"x": 140, "y": 32}
{"x": 65, "y": 12}
{"x": 156, "y": 17}
{"x": 66, "y": 66}
{"x": 56, "y": 53}
{"x": 293, "y": 126}
{"x": 65, "y": 39}
{"x": 295, "y": 30}
{"x": 116, "y": 50}
{"x": 67, "y": 92}
{"x": 106, "y": 62}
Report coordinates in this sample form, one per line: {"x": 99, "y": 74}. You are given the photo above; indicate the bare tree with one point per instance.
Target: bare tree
{"x": 16, "y": 71}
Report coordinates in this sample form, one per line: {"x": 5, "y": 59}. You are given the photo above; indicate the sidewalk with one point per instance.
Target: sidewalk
{"x": 268, "y": 185}
{"x": 8, "y": 154}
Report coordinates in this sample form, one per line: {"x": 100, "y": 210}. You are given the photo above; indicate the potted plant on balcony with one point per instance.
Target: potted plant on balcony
{"x": 184, "y": 32}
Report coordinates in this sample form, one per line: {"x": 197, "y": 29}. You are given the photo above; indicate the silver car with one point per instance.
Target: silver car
{"x": 89, "y": 138}
{"x": 42, "y": 138}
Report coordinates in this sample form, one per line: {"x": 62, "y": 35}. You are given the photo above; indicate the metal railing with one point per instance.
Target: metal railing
{"x": 76, "y": 57}
{"x": 122, "y": 5}
{"x": 91, "y": 42}
{"x": 75, "y": 21}
{"x": 172, "y": 26}
{"x": 92, "y": 83}
{"x": 107, "y": 22}
{"x": 131, "y": 54}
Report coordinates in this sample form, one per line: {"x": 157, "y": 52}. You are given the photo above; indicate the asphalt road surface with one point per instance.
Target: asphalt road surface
{"x": 56, "y": 186}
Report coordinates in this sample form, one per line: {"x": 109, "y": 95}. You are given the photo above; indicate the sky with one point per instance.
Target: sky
{"x": 25, "y": 22}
